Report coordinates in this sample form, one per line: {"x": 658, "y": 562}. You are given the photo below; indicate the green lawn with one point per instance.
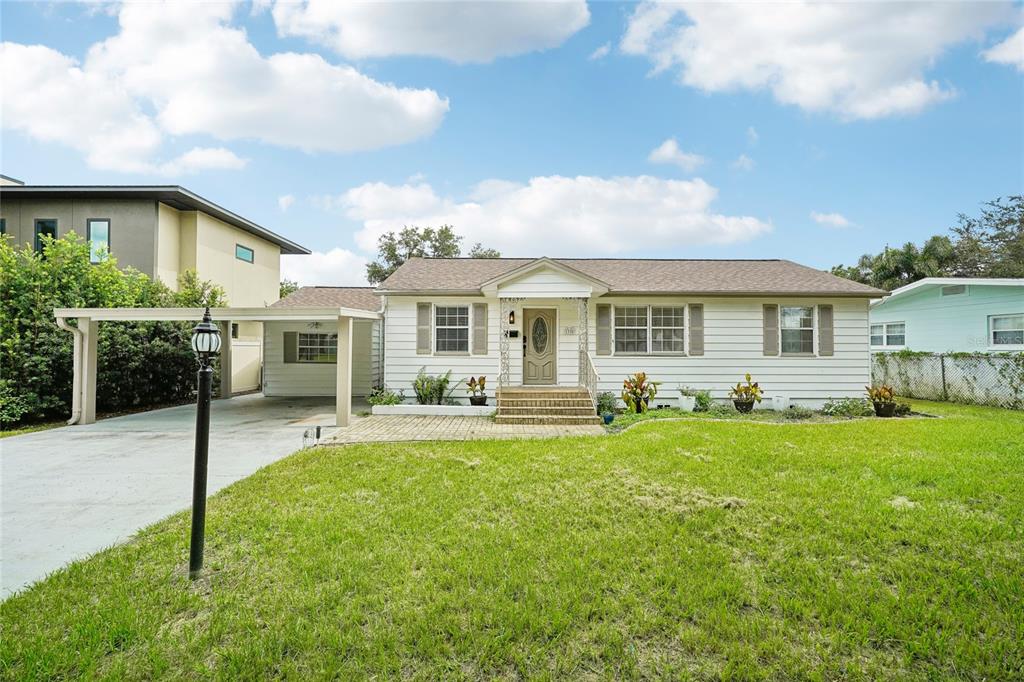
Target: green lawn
{"x": 859, "y": 549}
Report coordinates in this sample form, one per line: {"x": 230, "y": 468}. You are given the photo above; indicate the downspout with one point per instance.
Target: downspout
{"x": 76, "y": 372}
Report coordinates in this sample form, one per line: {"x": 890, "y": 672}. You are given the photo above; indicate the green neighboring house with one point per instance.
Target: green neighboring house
{"x": 951, "y": 314}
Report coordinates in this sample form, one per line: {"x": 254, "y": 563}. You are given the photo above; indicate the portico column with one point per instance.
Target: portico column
{"x": 90, "y": 335}
{"x": 225, "y": 358}
{"x": 343, "y": 401}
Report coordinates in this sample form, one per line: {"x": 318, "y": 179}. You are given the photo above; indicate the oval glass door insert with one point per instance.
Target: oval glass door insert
{"x": 540, "y": 334}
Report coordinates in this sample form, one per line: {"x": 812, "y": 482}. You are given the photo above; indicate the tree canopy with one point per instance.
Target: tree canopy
{"x": 414, "y": 242}
{"x": 989, "y": 245}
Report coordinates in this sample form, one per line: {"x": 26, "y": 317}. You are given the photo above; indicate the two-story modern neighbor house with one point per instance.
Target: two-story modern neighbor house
{"x": 162, "y": 231}
{"x": 951, "y": 314}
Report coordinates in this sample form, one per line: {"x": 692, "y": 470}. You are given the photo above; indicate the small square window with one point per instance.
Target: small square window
{"x": 244, "y": 253}
{"x": 45, "y": 227}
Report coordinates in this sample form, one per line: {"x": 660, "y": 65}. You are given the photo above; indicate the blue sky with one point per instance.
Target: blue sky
{"x": 884, "y": 121}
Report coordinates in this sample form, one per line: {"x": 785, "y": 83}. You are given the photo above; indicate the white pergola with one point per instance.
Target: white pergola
{"x": 86, "y": 330}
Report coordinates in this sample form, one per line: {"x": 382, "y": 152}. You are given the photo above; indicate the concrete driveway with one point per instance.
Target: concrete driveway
{"x": 71, "y": 491}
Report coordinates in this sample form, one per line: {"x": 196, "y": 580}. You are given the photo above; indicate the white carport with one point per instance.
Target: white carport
{"x": 86, "y": 330}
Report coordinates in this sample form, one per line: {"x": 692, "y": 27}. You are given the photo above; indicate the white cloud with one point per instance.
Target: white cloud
{"x": 861, "y": 60}
{"x": 1010, "y": 51}
{"x": 669, "y": 152}
{"x": 743, "y": 163}
{"x": 833, "y": 220}
{"x": 284, "y": 202}
{"x": 181, "y": 69}
{"x": 752, "y": 136}
{"x": 555, "y": 215}
{"x": 337, "y": 267}
{"x": 457, "y": 31}
{"x": 601, "y": 52}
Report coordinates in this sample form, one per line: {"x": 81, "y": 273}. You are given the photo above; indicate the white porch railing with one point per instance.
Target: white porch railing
{"x": 589, "y": 377}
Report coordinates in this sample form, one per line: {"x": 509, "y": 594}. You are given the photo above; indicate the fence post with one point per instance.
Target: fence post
{"x": 942, "y": 363}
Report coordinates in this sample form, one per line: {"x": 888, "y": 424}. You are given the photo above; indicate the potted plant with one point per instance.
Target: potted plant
{"x": 606, "y": 406}
{"x": 475, "y": 388}
{"x": 687, "y": 399}
{"x": 745, "y": 395}
{"x": 883, "y": 398}
{"x": 637, "y": 392}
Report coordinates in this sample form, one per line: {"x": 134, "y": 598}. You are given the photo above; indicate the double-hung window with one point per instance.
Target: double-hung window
{"x": 317, "y": 347}
{"x": 451, "y": 329}
{"x": 631, "y": 329}
{"x": 1006, "y": 330}
{"x": 649, "y": 329}
{"x": 889, "y": 335}
{"x": 97, "y": 233}
{"x": 667, "y": 329}
{"x": 797, "y": 330}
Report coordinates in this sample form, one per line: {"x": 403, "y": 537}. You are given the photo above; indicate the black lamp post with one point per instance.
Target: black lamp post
{"x": 206, "y": 344}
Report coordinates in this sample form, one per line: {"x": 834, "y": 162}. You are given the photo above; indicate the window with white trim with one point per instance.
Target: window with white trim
{"x": 631, "y": 329}
{"x": 641, "y": 329}
{"x": 1006, "y": 330}
{"x": 667, "y": 329}
{"x": 889, "y": 335}
{"x": 797, "y": 328}
{"x": 451, "y": 329}
{"x": 317, "y": 347}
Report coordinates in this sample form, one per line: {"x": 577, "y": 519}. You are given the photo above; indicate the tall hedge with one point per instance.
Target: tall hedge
{"x": 141, "y": 364}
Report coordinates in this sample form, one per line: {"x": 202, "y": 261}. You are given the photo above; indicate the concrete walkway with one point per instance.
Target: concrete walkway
{"x": 71, "y": 491}
{"x": 381, "y": 428}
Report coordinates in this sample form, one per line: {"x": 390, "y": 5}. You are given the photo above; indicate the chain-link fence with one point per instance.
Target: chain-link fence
{"x": 976, "y": 378}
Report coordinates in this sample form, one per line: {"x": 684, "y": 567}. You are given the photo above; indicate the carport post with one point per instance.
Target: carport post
{"x": 225, "y": 359}
{"x": 343, "y": 401}
{"x": 90, "y": 334}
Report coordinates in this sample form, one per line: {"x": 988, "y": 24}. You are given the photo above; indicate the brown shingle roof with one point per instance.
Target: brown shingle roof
{"x": 637, "y": 275}
{"x": 359, "y": 298}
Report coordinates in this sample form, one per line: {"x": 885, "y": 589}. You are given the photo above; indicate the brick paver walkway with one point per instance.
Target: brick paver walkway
{"x": 383, "y": 428}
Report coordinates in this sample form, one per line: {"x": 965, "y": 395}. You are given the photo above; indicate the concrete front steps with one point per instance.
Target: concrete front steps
{"x": 545, "y": 405}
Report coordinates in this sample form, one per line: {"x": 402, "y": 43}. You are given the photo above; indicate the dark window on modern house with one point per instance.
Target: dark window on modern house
{"x": 3, "y": 225}
{"x": 244, "y": 253}
{"x": 45, "y": 227}
{"x": 797, "y": 330}
{"x": 97, "y": 233}
{"x": 451, "y": 329}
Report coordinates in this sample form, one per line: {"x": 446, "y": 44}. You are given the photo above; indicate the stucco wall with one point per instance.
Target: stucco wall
{"x": 732, "y": 340}
{"x": 132, "y": 224}
{"x": 246, "y": 284}
{"x": 168, "y": 248}
{"x": 938, "y": 324}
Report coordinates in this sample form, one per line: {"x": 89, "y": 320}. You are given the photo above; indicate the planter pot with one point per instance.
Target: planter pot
{"x": 743, "y": 406}
{"x": 687, "y": 403}
{"x": 478, "y": 400}
{"x": 608, "y": 418}
{"x": 885, "y": 409}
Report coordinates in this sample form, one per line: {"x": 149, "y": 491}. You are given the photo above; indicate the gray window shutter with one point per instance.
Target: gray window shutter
{"x": 696, "y": 329}
{"x": 771, "y": 329}
{"x": 423, "y": 311}
{"x": 604, "y": 330}
{"x": 826, "y": 331}
{"x": 480, "y": 329}
{"x": 291, "y": 346}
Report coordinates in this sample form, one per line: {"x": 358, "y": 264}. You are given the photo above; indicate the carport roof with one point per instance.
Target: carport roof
{"x": 218, "y": 314}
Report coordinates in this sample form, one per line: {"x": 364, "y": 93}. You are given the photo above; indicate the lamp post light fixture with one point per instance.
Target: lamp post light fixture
{"x": 206, "y": 345}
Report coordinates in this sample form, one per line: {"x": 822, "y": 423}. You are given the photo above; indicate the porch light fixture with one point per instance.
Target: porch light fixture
{"x": 511, "y": 317}
{"x": 206, "y": 345}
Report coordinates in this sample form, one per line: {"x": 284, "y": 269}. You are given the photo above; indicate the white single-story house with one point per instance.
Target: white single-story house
{"x": 951, "y": 314}
{"x": 570, "y": 327}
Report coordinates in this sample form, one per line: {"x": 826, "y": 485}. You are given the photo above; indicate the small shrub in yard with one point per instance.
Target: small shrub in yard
{"x": 382, "y": 395}
{"x": 431, "y": 390}
{"x": 847, "y": 407}
{"x": 798, "y": 412}
{"x": 606, "y": 403}
{"x": 704, "y": 401}
{"x": 902, "y": 409}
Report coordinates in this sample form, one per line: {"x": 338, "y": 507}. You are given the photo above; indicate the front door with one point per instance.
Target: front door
{"x": 539, "y": 366}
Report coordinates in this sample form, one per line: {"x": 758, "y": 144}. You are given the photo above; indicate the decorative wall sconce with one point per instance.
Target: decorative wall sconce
{"x": 511, "y": 317}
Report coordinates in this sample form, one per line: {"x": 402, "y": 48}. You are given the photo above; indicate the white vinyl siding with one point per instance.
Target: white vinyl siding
{"x": 282, "y": 378}
{"x": 733, "y": 337}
